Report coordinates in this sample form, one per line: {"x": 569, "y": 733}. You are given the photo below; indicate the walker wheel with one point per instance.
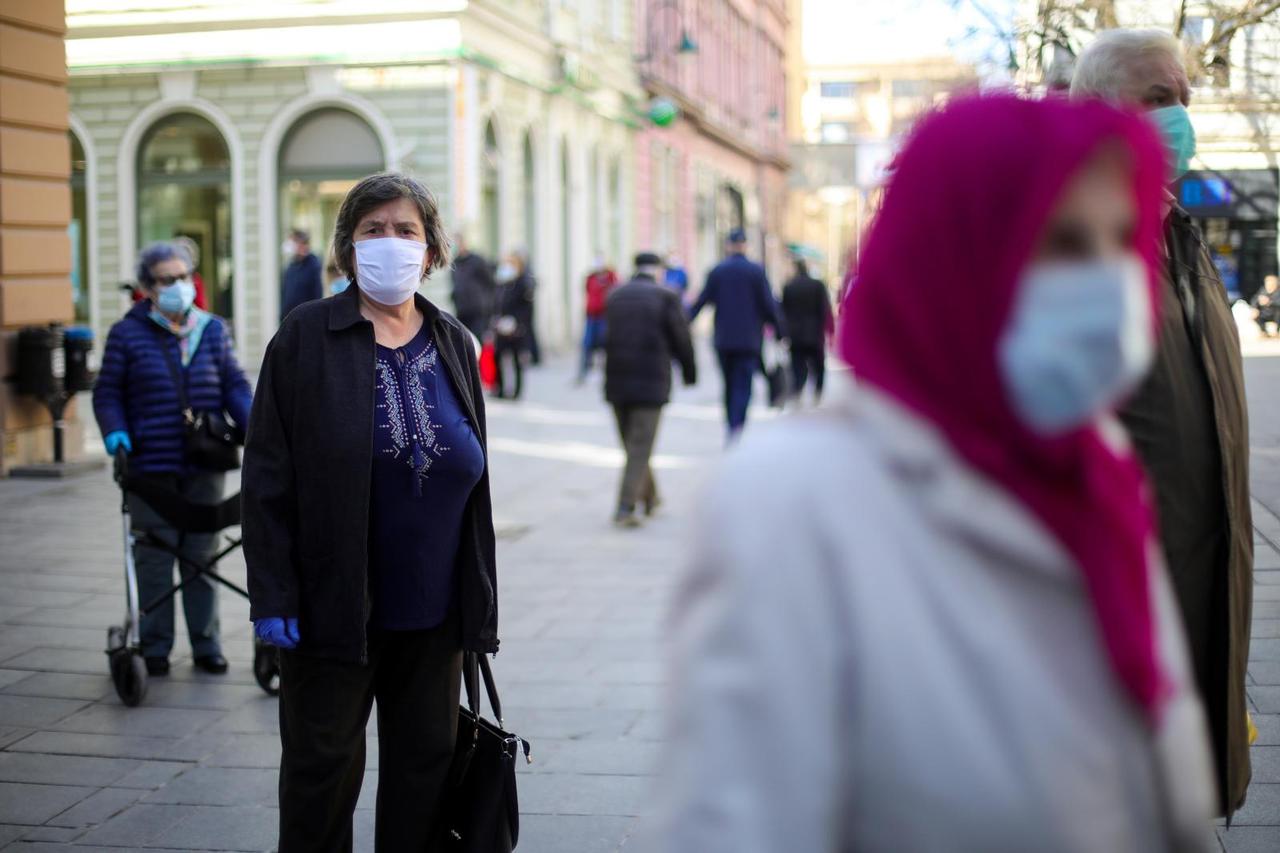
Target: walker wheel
{"x": 266, "y": 667}
{"x": 129, "y": 675}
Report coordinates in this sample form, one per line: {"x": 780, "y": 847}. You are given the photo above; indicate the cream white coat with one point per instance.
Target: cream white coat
{"x": 876, "y": 649}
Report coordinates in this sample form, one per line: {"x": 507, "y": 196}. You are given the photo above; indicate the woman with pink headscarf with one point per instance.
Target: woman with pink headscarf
{"x": 933, "y": 616}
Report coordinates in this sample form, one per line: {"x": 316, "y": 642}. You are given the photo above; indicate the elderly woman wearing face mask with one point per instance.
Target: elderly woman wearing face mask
{"x": 947, "y": 625}
{"x": 368, "y": 528}
{"x": 165, "y": 339}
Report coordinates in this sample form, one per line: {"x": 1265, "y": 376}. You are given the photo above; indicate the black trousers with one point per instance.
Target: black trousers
{"x": 806, "y": 362}
{"x": 415, "y": 677}
{"x": 508, "y": 355}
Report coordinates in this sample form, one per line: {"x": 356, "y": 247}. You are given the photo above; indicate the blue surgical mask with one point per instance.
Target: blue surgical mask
{"x": 177, "y": 298}
{"x": 1179, "y": 137}
{"x": 1079, "y": 340}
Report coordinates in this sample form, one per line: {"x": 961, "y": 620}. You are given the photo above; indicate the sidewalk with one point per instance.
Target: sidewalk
{"x": 580, "y": 668}
{"x": 194, "y": 767}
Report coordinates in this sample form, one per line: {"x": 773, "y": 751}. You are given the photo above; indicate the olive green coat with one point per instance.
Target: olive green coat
{"x": 1191, "y": 429}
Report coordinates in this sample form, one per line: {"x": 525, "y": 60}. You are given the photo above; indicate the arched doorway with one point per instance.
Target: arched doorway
{"x": 78, "y": 229}
{"x": 490, "y": 231}
{"x": 184, "y": 189}
{"x": 323, "y": 155}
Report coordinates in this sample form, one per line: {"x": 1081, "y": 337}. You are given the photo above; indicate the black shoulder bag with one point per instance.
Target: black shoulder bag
{"x": 480, "y": 813}
{"x": 210, "y": 441}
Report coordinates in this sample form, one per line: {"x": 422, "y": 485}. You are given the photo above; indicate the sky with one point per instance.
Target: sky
{"x": 838, "y": 31}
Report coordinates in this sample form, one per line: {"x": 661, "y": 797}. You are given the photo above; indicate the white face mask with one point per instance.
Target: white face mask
{"x": 1078, "y": 341}
{"x": 389, "y": 269}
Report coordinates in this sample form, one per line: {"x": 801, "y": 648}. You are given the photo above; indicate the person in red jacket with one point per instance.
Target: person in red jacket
{"x": 600, "y": 283}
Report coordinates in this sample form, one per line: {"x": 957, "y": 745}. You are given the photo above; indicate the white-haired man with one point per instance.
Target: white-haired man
{"x": 1189, "y": 420}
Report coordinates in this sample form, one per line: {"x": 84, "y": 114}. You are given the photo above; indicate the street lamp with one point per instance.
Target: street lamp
{"x": 685, "y": 47}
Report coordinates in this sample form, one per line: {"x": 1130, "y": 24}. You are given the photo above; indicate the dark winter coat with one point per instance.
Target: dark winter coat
{"x": 739, "y": 290}
{"x": 647, "y": 331}
{"x": 473, "y": 291}
{"x": 136, "y": 393}
{"x": 1190, "y": 427}
{"x": 306, "y": 482}
{"x": 302, "y": 283}
{"x": 515, "y": 299}
{"x": 806, "y": 308}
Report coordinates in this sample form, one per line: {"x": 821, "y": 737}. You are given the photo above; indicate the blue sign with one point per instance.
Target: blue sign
{"x": 1205, "y": 192}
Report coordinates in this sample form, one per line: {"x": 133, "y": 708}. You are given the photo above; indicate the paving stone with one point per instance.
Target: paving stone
{"x": 219, "y": 786}
{"x": 144, "y": 721}
{"x": 171, "y": 693}
{"x": 1265, "y": 673}
{"x": 190, "y": 828}
{"x": 1268, "y": 729}
{"x": 1265, "y": 629}
{"x": 9, "y": 832}
{"x": 1262, "y": 650}
{"x": 1242, "y": 839}
{"x": 63, "y": 769}
{"x": 35, "y": 711}
{"x": 51, "y": 834}
{"x": 84, "y": 661}
{"x": 1266, "y": 763}
{"x": 600, "y": 757}
{"x": 23, "y": 803}
{"x": 97, "y": 808}
{"x": 1261, "y": 808}
{"x": 565, "y": 833}
{"x": 581, "y": 794}
{"x": 12, "y": 676}
{"x": 1265, "y": 699}
{"x": 63, "y": 685}
{"x": 247, "y": 751}
{"x": 13, "y": 734}
{"x": 111, "y": 746}
{"x": 149, "y": 775}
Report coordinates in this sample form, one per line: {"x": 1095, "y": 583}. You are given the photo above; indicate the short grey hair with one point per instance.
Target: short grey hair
{"x": 157, "y": 253}
{"x": 1104, "y": 67}
{"x": 373, "y": 192}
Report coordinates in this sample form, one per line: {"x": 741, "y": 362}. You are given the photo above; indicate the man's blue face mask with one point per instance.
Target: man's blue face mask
{"x": 1179, "y": 137}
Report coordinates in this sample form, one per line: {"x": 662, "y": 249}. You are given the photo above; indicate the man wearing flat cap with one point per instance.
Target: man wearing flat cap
{"x": 647, "y": 331}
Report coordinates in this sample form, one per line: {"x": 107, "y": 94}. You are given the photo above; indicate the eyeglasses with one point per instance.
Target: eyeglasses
{"x": 167, "y": 280}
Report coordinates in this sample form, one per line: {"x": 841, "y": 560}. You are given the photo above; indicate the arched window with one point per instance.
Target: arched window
{"x": 184, "y": 189}
{"x": 78, "y": 230}
{"x": 322, "y": 157}
{"x": 530, "y": 199}
{"x": 490, "y": 214}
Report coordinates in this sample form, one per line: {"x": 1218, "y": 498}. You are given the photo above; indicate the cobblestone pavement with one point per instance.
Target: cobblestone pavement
{"x": 580, "y": 670}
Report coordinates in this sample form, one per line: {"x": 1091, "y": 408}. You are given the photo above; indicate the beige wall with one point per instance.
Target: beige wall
{"x": 35, "y": 207}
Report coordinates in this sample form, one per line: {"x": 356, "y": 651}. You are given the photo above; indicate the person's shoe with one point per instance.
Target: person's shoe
{"x": 652, "y": 505}
{"x": 626, "y": 518}
{"x": 212, "y": 664}
{"x": 157, "y": 666}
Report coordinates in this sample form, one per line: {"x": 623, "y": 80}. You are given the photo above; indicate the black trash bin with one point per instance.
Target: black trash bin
{"x": 41, "y": 362}
{"x": 77, "y": 344}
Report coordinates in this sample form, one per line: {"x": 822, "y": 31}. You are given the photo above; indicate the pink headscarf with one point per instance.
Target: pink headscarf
{"x": 967, "y": 202}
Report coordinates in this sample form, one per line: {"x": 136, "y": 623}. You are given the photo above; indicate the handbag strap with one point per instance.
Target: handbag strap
{"x": 474, "y": 667}
{"x": 178, "y": 381}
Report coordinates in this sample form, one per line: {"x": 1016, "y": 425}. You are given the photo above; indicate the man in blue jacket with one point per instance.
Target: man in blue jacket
{"x": 303, "y": 279}
{"x": 739, "y": 290}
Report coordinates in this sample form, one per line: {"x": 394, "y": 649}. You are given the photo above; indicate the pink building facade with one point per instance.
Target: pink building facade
{"x": 723, "y": 162}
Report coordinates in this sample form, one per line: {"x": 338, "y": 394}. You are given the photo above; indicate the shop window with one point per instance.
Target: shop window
{"x": 184, "y": 189}
{"x": 322, "y": 157}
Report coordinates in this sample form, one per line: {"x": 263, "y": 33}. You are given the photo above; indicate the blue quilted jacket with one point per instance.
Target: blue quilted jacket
{"x": 136, "y": 393}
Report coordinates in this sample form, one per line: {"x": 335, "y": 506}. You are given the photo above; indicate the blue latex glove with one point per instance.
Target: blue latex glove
{"x": 115, "y": 440}
{"x": 277, "y": 631}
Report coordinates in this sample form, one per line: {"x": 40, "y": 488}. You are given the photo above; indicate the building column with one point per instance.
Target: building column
{"x": 35, "y": 211}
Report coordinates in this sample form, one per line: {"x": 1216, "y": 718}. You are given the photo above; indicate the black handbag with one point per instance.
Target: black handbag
{"x": 480, "y": 812}
{"x": 209, "y": 440}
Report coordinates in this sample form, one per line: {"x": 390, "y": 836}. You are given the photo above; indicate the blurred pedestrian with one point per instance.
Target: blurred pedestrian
{"x": 1189, "y": 419}
{"x": 933, "y": 617}
{"x": 193, "y": 252}
{"x": 368, "y": 527}
{"x": 1266, "y": 306}
{"x": 744, "y": 303}
{"x": 806, "y": 308}
{"x": 647, "y": 331}
{"x": 513, "y": 324}
{"x": 600, "y": 283}
{"x": 302, "y": 277}
{"x": 138, "y": 403}
{"x": 675, "y": 276}
{"x": 473, "y": 288}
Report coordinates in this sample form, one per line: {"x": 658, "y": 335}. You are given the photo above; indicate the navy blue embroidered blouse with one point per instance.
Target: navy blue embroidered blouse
{"x": 426, "y": 461}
